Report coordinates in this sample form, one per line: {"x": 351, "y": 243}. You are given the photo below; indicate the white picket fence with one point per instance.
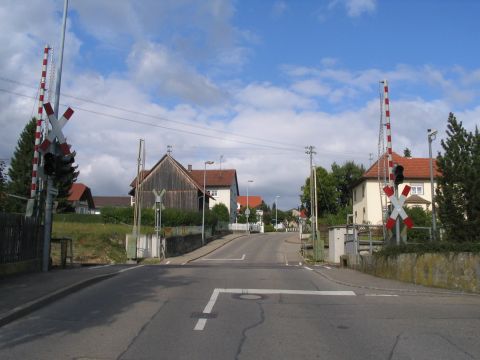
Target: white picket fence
{"x": 243, "y": 227}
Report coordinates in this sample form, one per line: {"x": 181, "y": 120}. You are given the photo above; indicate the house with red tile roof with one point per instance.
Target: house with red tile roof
{"x": 254, "y": 201}
{"x": 221, "y": 185}
{"x": 369, "y": 200}
{"x": 81, "y": 199}
{"x": 184, "y": 188}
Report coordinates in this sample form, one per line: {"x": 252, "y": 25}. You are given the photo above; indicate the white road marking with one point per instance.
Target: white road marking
{"x": 385, "y": 295}
{"x": 200, "y": 325}
{"x": 327, "y": 267}
{"x": 306, "y": 267}
{"x": 130, "y": 268}
{"x": 168, "y": 262}
{"x": 241, "y": 259}
{"x": 99, "y": 266}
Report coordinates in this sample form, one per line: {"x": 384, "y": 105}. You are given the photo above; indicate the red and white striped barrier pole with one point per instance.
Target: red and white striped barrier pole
{"x": 386, "y": 103}
{"x": 38, "y": 131}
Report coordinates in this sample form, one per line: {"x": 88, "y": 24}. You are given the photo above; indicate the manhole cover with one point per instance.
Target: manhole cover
{"x": 249, "y": 297}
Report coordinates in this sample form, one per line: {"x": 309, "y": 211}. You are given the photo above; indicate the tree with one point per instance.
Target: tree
{"x": 459, "y": 183}
{"x": 221, "y": 212}
{"x": 407, "y": 153}
{"x": 20, "y": 171}
{"x": 420, "y": 218}
{"x": 327, "y": 193}
{"x": 64, "y": 182}
{"x": 3, "y": 187}
{"x": 345, "y": 176}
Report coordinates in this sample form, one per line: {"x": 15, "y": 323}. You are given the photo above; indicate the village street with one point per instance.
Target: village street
{"x": 251, "y": 299}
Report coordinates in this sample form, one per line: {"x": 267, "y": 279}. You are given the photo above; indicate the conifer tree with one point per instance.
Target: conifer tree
{"x": 20, "y": 171}
{"x": 472, "y": 188}
{"x": 3, "y": 183}
{"x": 458, "y": 208}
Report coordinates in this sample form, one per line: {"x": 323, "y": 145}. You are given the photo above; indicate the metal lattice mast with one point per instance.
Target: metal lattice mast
{"x": 38, "y": 131}
{"x": 386, "y": 103}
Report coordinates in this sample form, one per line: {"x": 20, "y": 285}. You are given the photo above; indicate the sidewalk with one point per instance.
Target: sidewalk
{"x": 25, "y": 293}
{"x": 200, "y": 252}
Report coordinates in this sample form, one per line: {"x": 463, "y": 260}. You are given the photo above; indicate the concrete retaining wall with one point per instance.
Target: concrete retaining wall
{"x": 459, "y": 271}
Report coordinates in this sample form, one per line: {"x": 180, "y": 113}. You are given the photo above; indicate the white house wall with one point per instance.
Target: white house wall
{"x": 228, "y": 197}
{"x": 371, "y": 200}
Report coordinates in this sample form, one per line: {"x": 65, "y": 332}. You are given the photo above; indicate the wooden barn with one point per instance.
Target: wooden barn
{"x": 182, "y": 191}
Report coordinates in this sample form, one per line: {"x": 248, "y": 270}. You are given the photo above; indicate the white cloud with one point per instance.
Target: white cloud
{"x": 152, "y": 65}
{"x": 271, "y": 97}
{"x": 354, "y": 8}
{"x": 311, "y": 87}
{"x": 359, "y": 7}
{"x": 279, "y": 8}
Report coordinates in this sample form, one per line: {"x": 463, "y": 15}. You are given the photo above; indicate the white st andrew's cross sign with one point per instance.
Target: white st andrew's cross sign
{"x": 397, "y": 207}
{"x": 56, "y": 131}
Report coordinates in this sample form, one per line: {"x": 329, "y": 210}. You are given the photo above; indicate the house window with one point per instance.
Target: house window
{"x": 213, "y": 193}
{"x": 417, "y": 189}
{"x": 355, "y": 195}
{"x": 363, "y": 191}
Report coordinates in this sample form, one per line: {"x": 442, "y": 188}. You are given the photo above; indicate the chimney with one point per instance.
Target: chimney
{"x": 189, "y": 167}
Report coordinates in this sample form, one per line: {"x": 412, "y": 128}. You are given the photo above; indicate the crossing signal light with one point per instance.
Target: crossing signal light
{"x": 64, "y": 168}
{"x": 49, "y": 164}
{"x": 398, "y": 174}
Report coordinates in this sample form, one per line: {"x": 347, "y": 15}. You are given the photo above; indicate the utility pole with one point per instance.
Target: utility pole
{"x": 309, "y": 150}
{"x": 53, "y": 148}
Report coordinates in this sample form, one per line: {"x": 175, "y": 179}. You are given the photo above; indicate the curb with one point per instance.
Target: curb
{"x": 36, "y": 304}
{"x": 209, "y": 252}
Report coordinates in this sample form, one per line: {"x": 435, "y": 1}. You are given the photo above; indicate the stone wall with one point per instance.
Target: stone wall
{"x": 459, "y": 271}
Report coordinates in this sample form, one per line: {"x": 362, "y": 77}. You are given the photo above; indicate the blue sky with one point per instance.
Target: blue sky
{"x": 254, "y": 81}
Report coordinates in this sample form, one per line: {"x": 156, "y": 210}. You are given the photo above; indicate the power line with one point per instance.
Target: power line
{"x": 168, "y": 128}
{"x": 154, "y": 116}
{"x": 264, "y": 146}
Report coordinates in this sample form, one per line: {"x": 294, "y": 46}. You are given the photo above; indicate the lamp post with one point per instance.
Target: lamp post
{"x": 432, "y": 135}
{"x": 203, "y": 207}
{"x": 276, "y": 217}
{"x": 247, "y": 212}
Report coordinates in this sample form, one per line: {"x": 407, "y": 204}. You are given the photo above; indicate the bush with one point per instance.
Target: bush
{"x": 420, "y": 218}
{"x": 269, "y": 228}
{"x": 170, "y": 217}
{"x": 221, "y": 212}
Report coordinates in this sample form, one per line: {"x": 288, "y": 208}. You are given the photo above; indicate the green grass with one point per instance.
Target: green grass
{"x": 93, "y": 242}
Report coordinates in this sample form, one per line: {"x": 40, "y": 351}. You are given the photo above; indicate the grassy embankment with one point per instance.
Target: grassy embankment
{"x": 93, "y": 241}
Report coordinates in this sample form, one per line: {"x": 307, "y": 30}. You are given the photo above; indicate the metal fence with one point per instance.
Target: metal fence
{"x": 363, "y": 238}
{"x": 21, "y": 238}
{"x": 367, "y": 238}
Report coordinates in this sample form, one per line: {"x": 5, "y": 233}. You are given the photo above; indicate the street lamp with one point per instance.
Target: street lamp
{"x": 432, "y": 135}
{"x": 276, "y": 217}
{"x": 203, "y": 207}
{"x": 247, "y": 212}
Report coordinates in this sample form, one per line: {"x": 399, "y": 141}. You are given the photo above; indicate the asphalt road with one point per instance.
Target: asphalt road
{"x": 251, "y": 299}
